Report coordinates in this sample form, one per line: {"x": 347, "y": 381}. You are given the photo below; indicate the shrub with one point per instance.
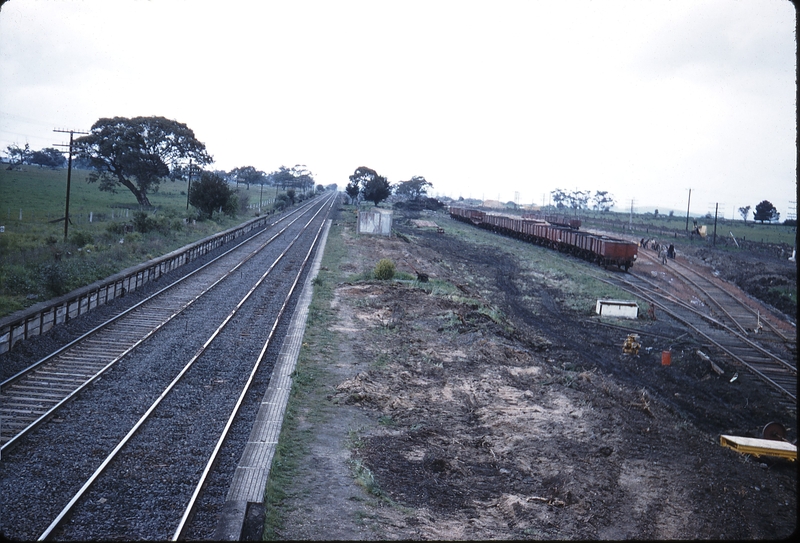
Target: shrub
{"x": 142, "y": 222}
{"x": 54, "y": 277}
{"x": 281, "y": 202}
{"x": 384, "y": 270}
{"x": 116, "y": 228}
{"x": 81, "y": 239}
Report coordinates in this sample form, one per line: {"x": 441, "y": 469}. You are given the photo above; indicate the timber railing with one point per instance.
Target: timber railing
{"x": 43, "y": 316}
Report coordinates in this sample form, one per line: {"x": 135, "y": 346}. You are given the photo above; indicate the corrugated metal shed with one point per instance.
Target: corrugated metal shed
{"x": 375, "y": 221}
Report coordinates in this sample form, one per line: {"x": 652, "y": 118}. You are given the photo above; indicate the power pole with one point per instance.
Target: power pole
{"x": 687, "y": 209}
{"x": 630, "y": 222}
{"x": 189, "y": 188}
{"x": 716, "y": 210}
{"x": 69, "y": 174}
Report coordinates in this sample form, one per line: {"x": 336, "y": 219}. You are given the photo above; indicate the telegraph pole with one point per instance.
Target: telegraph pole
{"x": 630, "y": 222}
{"x": 189, "y": 188}
{"x": 687, "y": 209}
{"x": 716, "y": 210}
{"x": 69, "y": 174}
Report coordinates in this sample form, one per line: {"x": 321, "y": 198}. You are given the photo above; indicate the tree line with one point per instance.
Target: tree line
{"x": 138, "y": 154}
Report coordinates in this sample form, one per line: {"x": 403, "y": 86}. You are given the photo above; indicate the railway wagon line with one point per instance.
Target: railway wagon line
{"x": 600, "y": 249}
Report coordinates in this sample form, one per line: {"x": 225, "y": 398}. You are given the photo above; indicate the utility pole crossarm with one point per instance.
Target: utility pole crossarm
{"x": 69, "y": 173}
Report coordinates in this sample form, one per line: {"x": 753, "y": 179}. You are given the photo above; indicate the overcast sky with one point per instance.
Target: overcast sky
{"x": 485, "y": 99}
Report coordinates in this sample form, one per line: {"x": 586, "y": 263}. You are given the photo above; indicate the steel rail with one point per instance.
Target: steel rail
{"x": 125, "y": 440}
{"x": 40, "y": 419}
{"x": 710, "y": 319}
{"x": 682, "y": 272}
{"x": 179, "y": 531}
{"x": 722, "y": 325}
{"x": 737, "y": 358}
{"x": 8, "y": 381}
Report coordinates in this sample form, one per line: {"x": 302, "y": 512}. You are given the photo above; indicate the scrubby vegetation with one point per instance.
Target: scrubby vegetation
{"x": 107, "y": 233}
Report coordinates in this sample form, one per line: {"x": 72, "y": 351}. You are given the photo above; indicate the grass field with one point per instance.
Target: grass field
{"x": 37, "y": 263}
{"x": 752, "y": 231}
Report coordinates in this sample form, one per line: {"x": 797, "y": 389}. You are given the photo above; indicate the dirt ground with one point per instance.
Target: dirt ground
{"x": 449, "y": 420}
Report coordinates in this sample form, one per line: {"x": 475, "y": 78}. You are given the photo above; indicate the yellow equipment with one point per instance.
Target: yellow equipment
{"x": 760, "y": 447}
{"x": 631, "y": 345}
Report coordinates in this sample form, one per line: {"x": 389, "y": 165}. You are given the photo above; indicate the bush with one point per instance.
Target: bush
{"x": 281, "y": 202}
{"x": 54, "y": 277}
{"x": 81, "y": 239}
{"x": 142, "y": 222}
{"x": 384, "y": 270}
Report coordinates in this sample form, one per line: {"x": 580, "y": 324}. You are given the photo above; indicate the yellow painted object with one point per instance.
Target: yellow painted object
{"x": 631, "y": 345}
{"x": 760, "y": 447}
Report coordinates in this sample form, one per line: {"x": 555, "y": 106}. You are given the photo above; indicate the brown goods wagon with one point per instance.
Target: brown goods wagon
{"x": 617, "y": 251}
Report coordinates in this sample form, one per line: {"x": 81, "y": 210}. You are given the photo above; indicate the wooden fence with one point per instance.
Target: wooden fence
{"x": 41, "y": 317}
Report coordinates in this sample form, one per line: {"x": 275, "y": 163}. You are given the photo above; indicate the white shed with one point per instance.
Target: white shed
{"x": 617, "y": 308}
{"x": 375, "y": 221}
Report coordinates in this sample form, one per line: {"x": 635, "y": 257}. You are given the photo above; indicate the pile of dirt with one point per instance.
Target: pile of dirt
{"x": 525, "y": 423}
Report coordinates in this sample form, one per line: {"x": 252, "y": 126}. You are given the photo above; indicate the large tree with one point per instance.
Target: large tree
{"x": 413, "y": 189}
{"x": 138, "y": 153}
{"x": 375, "y": 188}
{"x": 765, "y": 211}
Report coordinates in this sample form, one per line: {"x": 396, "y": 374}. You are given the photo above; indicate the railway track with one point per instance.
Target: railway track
{"x": 179, "y": 425}
{"x": 723, "y": 320}
{"x": 35, "y": 394}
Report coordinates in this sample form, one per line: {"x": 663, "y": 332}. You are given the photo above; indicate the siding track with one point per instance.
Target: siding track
{"x": 725, "y": 321}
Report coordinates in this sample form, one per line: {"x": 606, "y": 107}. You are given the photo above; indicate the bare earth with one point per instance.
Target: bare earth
{"x": 443, "y": 420}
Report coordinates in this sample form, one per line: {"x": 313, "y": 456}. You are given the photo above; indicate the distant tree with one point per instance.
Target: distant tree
{"x": 297, "y": 177}
{"x": 413, "y": 189}
{"x": 578, "y": 199}
{"x": 19, "y": 155}
{"x": 559, "y": 198}
{"x": 48, "y": 157}
{"x": 138, "y": 153}
{"x": 303, "y": 179}
{"x": 655, "y": 214}
{"x": 744, "y": 212}
{"x": 602, "y": 201}
{"x": 320, "y": 188}
{"x": 248, "y": 175}
{"x": 765, "y": 211}
{"x": 212, "y": 193}
{"x": 375, "y": 188}
{"x": 352, "y": 190}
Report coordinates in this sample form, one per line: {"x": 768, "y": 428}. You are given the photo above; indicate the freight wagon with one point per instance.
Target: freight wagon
{"x": 563, "y": 235}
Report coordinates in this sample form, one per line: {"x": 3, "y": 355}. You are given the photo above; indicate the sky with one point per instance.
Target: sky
{"x": 502, "y": 100}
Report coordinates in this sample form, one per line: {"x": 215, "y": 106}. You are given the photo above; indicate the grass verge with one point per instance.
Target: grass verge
{"x": 307, "y": 403}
